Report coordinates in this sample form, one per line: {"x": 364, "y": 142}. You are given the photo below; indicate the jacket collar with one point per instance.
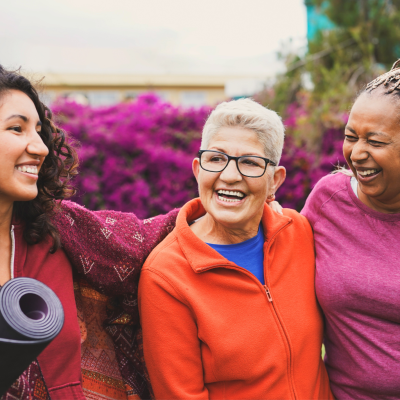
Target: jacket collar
{"x": 201, "y": 256}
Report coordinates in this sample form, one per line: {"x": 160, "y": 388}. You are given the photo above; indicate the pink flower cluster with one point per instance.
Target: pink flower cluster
{"x": 137, "y": 156}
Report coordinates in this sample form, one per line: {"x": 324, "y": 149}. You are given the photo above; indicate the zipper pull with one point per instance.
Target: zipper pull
{"x": 268, "y": 293}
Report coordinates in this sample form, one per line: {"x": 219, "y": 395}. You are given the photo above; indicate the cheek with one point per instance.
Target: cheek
{"x": 205, "y": 182}
{"x": 8, "y": 162}
{"x": 12, "y": 148}
{"x": 260, "y": 189}
{"x": 346, "y": 150}
{"x": 388, "y": 160}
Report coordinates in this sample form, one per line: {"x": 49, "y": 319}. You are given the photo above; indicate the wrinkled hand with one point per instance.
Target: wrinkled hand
{"x": 276, "y": 207}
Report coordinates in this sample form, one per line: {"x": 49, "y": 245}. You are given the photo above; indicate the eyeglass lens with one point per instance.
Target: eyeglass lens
{"x": 216, "y": 162}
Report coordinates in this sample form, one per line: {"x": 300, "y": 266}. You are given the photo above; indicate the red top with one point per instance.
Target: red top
{"x": 60, "y": 361}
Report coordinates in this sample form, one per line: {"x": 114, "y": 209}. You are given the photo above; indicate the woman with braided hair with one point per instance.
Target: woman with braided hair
{"x": 355, "y": 216}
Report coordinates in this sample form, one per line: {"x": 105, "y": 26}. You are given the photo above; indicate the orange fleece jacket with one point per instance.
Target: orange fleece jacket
{"x": 211, "y": 330}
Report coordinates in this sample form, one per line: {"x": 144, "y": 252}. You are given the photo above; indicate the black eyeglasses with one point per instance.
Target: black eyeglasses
{"x": 250, "y": 166}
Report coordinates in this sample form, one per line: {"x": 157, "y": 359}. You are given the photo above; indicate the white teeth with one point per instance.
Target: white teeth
{"x": 368, "y": 172}
{"x": 231, "y": 193}
{"x": 228, "y": 200}
{"x": 30, "y": 169}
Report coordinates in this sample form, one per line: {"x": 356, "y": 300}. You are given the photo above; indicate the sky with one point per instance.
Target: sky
{"x": 202, "y": 37}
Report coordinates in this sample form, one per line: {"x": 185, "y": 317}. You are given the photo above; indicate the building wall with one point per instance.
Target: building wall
{"x": 189, "y": 96}
{"x": 106, "y": 90}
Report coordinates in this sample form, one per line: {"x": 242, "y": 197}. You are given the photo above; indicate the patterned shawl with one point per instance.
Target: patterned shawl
{"x": 107, "y": 250}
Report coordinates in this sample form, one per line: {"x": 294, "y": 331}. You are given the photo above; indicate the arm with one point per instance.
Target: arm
{"x": 109, "y": 247}
{"x": 170, "y": 341}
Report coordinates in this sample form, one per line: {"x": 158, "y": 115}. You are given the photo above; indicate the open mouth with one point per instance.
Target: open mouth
{"x": 368, "y": 173}
{"x": 230, "y": 196}
{"x": 28, "y": 169}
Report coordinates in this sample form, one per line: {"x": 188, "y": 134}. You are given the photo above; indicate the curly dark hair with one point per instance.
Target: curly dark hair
{"x": 58, "y": 168}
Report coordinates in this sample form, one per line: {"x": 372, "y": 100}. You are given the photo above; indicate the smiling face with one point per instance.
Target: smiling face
{"x": 22, "y": 151}
{"x": 231, "y": 199}
{"x": 372, "y": 150}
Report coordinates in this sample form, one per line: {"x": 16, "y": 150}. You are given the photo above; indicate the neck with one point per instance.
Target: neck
{"x": 6, "y": 210}
{"x": 386, "y": 207}
{"x": 210, "y": 231}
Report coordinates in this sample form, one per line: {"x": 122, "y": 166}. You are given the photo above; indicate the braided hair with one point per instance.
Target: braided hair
{"x": 391, "y": 77}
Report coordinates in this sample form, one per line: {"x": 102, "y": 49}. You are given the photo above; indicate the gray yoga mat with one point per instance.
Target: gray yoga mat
{"x": 31, "y": 316}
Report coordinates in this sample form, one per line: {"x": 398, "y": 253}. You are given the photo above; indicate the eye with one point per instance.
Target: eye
{"x": 15, "y": 128}
{"x": 216, "y": 159}
{"x": 249, "y": 162}
{"x": 376, "y": 143}
{"x": 351, "y": 138}
{"x": 252, "y": 162}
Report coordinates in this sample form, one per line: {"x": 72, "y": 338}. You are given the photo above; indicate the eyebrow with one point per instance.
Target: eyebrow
{"x": 25, "y": 119}
{"x": 369, "y": 133}
{"x": 243, "y": 155}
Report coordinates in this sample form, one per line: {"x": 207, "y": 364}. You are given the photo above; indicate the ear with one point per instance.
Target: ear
{"x": 278, "y": 178}
{"x": 196, "y": 168}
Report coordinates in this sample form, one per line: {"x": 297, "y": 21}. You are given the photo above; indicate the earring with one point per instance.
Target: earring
{"x": 271, "y": 198}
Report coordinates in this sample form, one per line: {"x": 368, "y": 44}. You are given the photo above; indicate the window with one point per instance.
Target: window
{"x": 193, "y": 99}
{"x": 103, "y": 98}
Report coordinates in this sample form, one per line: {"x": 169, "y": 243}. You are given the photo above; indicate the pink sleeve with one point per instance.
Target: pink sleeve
{"x": 110, "y": 247}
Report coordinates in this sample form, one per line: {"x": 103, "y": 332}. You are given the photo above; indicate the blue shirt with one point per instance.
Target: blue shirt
{"x": 248, "y": 254}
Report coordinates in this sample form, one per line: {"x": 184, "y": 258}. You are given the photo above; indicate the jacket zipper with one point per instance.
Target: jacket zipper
{"x": 268, "y": 293}
{"x": 269, "y": 297}
{"x": 12, "y": 251}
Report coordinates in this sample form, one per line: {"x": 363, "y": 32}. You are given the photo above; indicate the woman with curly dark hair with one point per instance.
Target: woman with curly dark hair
{"x": 36, "y": 167}
{"x": 88, "y": 359}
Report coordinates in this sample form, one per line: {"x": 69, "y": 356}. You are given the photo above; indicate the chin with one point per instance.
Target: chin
{"x": 229, "y": 220}
{"x": 371, "y": 191}
{"x": 27, "y": 196}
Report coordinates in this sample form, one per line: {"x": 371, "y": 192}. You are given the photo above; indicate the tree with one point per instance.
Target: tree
{"x": 363, "y": 42}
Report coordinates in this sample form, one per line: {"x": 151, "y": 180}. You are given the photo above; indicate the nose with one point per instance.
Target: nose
{"x": 231, "y": 173}
{"x": 359, "y": 151}
{"x": 35, "y": 145}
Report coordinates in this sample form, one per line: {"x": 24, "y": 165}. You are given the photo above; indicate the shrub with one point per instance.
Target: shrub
{"x": 137, "y": 156}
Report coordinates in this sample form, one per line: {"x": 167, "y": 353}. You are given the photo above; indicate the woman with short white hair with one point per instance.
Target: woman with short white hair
{"x": 227, "y": 300}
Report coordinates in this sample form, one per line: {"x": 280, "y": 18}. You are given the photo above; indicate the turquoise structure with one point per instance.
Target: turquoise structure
{"x": 316, "y": 20}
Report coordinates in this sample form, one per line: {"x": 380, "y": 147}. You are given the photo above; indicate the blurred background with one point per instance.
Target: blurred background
{"x": 132, "y": 82}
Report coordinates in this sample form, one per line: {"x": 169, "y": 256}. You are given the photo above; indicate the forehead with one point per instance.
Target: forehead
{"x": 16, "y": 102}
{"x": 375, "y": 113}
{"x": 237, "y": 140}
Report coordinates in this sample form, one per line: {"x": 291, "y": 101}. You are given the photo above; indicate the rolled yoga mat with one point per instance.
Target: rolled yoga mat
{"x": 31, "y": 316}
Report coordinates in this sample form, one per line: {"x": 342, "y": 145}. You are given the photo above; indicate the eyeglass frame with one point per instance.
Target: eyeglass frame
{"x": 236, "y": 159}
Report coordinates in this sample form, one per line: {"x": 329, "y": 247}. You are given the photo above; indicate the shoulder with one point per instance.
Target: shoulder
{"x": 66, "y": 206}
{"x": 165, "y": 269}
{"x": 166, "y": 256}
{"x": 324, "y": 191}
{"x": 66, "y": 211}
{"x": 300, "y": 222}
{"x": 295, "y": 216}
{"x": 331, "y": 183}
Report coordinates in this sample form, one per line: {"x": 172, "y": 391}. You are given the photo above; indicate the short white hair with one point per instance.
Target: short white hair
{"x": 247, "y": 114}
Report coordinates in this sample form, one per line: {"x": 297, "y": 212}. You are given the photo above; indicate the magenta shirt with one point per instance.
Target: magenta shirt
{"x": 358, "y": 288}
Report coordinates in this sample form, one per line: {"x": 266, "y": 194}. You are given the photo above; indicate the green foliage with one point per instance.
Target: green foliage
{"x": 338, "y": 63}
